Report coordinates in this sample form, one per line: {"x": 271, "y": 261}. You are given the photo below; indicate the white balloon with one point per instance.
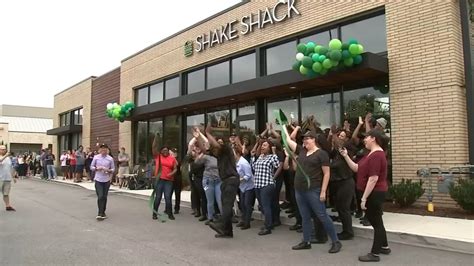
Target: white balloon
{"x": 299, "y": 56}
{"x": 109, "y": 106}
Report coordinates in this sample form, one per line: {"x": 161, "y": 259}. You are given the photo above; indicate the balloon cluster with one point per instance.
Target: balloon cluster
{"x": 314, "y": 59}
{"x": 119, "y": 112}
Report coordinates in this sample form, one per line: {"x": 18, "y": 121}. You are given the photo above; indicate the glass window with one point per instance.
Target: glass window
{"x": 67, "y": 119}
{"x": 371, "y": 33}
{"x": 191, "y": 121}
{"x": 141, "y": 97}
{"x": 220, "y": 122}
{"x": 243, "y": 68}
{"x": 289, "y": 107}
{"x": 77, "y": 114}
{"x": 359, "y": 102}
{"x": 195, "y": 81}
{"x": 62, "y": 120}
{"x": 218, "y": 75}
{"x": 81, "y": 113}
{"x": 321, "y": 38}
{"x": 75, "y": 141}
{"x": 172, "y": 88}
{"x": 247, "y": 109}
{"x": 325, "y": 108}
{"x": 141, "y": 143}
{"x": 155, "y": 125}
{"x": 172, "y": 132}
{"x": 277, "y": 57}
{"x": 156, "y": 92}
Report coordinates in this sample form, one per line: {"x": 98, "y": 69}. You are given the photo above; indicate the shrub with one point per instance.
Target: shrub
{"x": 463, "y": 194}
{"x": 406, "y": 193}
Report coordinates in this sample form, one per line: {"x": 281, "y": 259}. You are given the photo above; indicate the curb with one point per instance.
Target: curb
{"x": 438, "y": 243}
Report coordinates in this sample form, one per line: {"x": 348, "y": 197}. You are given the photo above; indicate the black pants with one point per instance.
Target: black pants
{"x": 177, "y": 187}
{"x": 201, "y": 203}
{"x": 194, "y": 195}
{"x": 374, "y": 215}
{"x": 102, "y": 189}
{"x": 246, "y": 199}
{"x": 229, "y": 189}
{"x": 343, "y": 198}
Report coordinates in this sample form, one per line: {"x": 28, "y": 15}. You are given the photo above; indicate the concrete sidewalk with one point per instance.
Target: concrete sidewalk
{"x": 426, "y": 231}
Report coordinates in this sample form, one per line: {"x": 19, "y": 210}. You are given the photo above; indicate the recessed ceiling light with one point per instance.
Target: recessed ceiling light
{"x": 292, "y": 87}
{"x": 232, "y": 99}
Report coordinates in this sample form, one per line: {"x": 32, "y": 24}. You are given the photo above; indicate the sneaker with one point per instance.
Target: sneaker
{"x": 302, "y": 245}
{"x": 224, "y": 236}
{"x": 385, "y": 251}
{"x": 217, "y": 227}
{"x": 295, "y": 227}
{"x": 104, "y": 216}
{"x": 207, "y": 222}
{"x": 264, "y": 232}
{"x": 345, "y": 236}
{"x": 365, "y": 222}
{"x": 335, "y": 247}
{"x": 10, "y": 209}
{"x": 99, "y": 217}
{"x": 369, "y": 258}
{"x": 245, "y": 227}
{"x": 154, "y": 217}
{"x": 171, "y": 216}
{"x": 240, "y": 224}
{"x": 202, "y": 218}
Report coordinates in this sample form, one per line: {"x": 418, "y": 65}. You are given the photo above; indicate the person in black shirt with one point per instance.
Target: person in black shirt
{"x": 229, "y": 187}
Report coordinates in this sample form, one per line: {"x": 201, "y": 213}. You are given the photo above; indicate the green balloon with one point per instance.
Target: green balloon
{"x": 335, "y": 55}
{"x": 307, "y": 62}
{"x": 315, "y": 57}
{"x": 321, "y": 58}
{"x": 296, "y": 66}
{"x": 357, "y": 59}
{"x": 323, "y": 50}
{"x": 301, "y": 48}
{"x": 345, "y": 46}
{"x": 311, "y": 73}
{"x": 353, "y": 41}
{"x": 310, "y": 46}
{"x": 334, "y": 63}
{"x": 317, "y": 49}
{"x": 317, "y": 67}
{"x": 354, "y": 49}
{"x": 361, "y": 48}
{"x": 345, "y": 54}
{"x": 335, "y": 44}
{"x": 303, "y": 70}
{"x": 348, "y": 62}
{"x": 109, "y": 114}
{"x": 327, "y": 64}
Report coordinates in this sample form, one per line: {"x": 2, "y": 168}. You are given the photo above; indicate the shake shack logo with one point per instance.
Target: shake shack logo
{"x": 188, "y": 48}
{"x": 282, "y": 10}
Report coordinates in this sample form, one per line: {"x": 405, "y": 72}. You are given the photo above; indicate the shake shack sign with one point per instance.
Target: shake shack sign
{"x": 282, "y": 10}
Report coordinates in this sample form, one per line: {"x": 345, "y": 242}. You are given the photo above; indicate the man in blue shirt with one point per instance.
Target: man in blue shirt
{"x": 103, "y": 165}
{"x": 247, "y": 192}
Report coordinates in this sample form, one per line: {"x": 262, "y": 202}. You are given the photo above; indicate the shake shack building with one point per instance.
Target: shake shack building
{"x": 234, "y": 68}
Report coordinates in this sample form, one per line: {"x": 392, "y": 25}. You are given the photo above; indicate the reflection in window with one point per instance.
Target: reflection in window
{"x": 321, "y": 38}
{"x": 218, "y": 75}
{"x": 172, "y": 88}
{"x": 191, "y": 121}
{"x": 141, "y": 143}
{"x": 243, "y": 68}
{"x": 141, "y": 97}
{"x": 220, "y": 122}
{"x": 277, "y": 57}
{"x": 156, "y": 92}
{"x": 77, "y": 115}
{"x": 369, "y": 32}
{"x": 248, "y": 109}
{"x": 325, "y": 108}
{"x": 172, "y": 132}
{"x": 361, "y": 101}
{"x": 289, "y": 107}
{"x": 196, "y": 81}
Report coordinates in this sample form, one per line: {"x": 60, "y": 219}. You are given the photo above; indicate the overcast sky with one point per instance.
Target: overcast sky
{"x": 49, "y": 45}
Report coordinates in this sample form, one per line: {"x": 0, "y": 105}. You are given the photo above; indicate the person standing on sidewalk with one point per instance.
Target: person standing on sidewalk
{"x": 6, "y": 176}
{"x": 230, "y": 184}
{"x": 372, "y": 180}
{"x": 49, "y": 161}
{"x": 103, "y": 166}
{"x": 123, "y": 160}
{"x": 80, "y": 161}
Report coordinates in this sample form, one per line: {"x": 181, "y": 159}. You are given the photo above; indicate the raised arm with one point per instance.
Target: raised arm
{"x": 291, "y": 143}
{"x": 212, "y": 140}
{"x": 354, "y": 167}
{"x": 295, "y": 132}
{"x": 273, "y": 132}
{"x": 354, "y": 137}
{"x": 154, "y": 146}
{"x": 368, "y": 117}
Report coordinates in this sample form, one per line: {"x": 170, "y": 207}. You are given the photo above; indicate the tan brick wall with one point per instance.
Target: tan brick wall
{"x": 74, "y": 97}
{"x": 31, "y": 138}
{"x": 427, "y": 88}
{"x": 4, "y": 134}
{"x": 425, "y": 61}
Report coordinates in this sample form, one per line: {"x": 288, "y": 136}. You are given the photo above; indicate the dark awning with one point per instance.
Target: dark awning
{"x": 372, "y": 70}
{"x": 65, "y": 130}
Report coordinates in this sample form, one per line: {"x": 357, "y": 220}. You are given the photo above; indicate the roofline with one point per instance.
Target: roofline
{"x": 91, "y": 77}
{"x": 14, "y": 105}
{"x": 243, "y": 2}
{"x": 108, "y": 72}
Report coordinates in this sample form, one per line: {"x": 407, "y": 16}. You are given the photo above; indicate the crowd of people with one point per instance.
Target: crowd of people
{"x": 340, "y": 167}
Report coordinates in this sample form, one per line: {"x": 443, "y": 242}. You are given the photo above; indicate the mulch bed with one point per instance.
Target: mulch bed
{"x": 422, "y": 210}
